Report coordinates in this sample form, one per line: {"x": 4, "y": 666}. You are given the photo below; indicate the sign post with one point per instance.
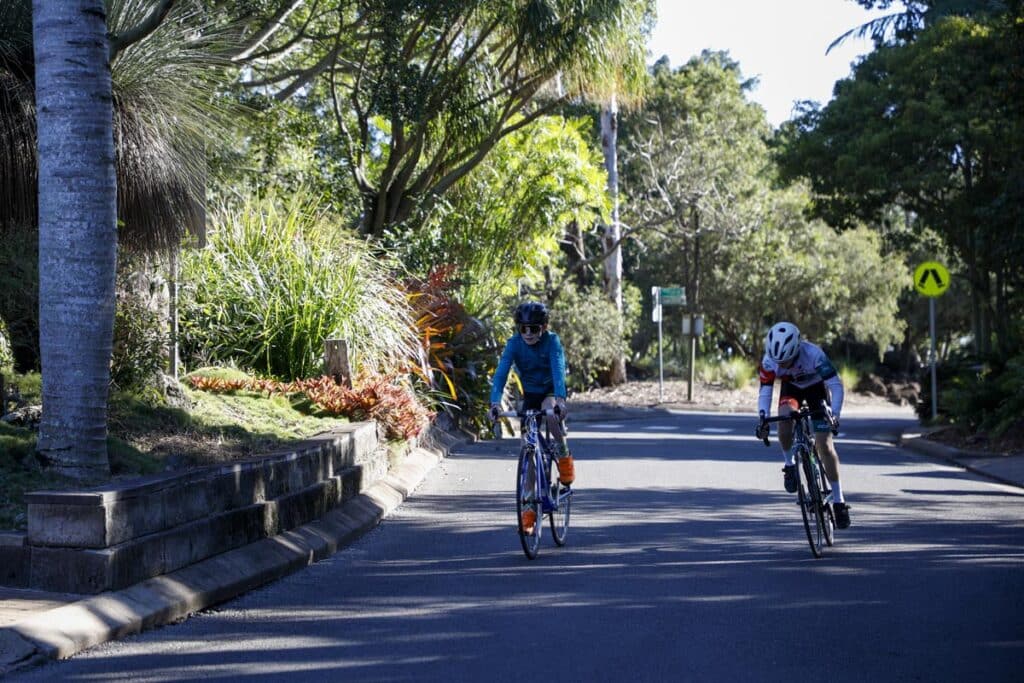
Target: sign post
{"x": 664, "y": 296}
{"x": 693, "y": 327}
{"x": 656, "y": 317}
{"x": 931, "y": 279}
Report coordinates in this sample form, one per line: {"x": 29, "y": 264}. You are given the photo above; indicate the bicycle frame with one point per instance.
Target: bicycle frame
{"x": 532, "y": 437}
{"x": 544, "y": 495}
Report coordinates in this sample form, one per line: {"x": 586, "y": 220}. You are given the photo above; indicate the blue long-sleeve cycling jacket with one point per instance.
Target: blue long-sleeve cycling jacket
{"x": 541, "y": 367}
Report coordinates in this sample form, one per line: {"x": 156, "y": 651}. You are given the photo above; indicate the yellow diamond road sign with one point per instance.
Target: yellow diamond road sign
{"x": 931, "y": 278}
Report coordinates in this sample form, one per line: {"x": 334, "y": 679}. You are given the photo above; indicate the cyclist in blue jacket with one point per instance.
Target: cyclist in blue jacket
{"x": 540, "y": 363}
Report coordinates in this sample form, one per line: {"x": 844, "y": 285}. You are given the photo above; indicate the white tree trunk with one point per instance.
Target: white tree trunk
{"x": 613, "y": 231}
{"x": 77, "y": 232}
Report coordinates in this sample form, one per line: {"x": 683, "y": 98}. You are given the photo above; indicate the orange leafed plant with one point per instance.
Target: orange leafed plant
{"x": 383, "y": 398}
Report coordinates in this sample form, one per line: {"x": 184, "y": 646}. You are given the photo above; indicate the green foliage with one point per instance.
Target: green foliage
{"x": 421, "y": 92}
{"x": 279, "y": 148}
{"x": 276, "y": 280}
{"x": 830, "y": 284}
{"x": 586, "y": 321}
{"x": 851, "y": 373}
{"x": 6, "y": 356}
{"x": 502, "y": 222}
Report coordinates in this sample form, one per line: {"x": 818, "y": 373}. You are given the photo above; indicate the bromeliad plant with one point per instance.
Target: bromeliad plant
{"x": 456, "y": 351}
{"x": 387, "y": 399}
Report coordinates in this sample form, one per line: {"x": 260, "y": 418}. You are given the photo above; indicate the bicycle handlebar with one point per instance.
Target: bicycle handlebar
{"x": 550, "y": 412}
{"x": 799, "y": 415}
{"x": 523, "y": 414}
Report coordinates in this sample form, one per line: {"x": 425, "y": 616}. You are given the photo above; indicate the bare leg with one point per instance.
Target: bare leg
{"x": 786, "y": 436}
{"x": 554, "y": 423}
{"x": 827, "y": 452}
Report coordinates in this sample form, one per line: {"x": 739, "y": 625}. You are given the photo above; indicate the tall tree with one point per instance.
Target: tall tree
{"x": 933, "y": 126}
{"x": 695, "y": 161}
{"x": 77, "y": 224}
{"x": 77, "y": 232}
{"x": 613, "y": 231}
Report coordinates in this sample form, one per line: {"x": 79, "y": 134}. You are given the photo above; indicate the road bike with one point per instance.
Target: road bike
{"x": 537, "y": 485}
{"x": 814, "y": 495}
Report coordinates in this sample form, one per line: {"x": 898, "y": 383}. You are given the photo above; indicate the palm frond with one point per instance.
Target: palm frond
{"x": 165, "y": 120}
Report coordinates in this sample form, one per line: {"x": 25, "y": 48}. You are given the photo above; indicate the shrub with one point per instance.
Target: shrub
{"x": 457, "y": 352}
{"x": 277, "y": 280}
{"x": 851, "y": 374}
{"x": 734, "y": 373}
{"x": 588, "y": 324}
{"x": 983, "y": 397}
{"x": 140, "y": 338}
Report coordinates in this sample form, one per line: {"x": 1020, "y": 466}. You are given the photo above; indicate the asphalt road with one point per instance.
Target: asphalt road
{"x": 686, "y": 561}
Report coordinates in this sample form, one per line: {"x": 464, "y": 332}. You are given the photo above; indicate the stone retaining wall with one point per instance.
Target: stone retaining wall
{"x": 114, "y": 536}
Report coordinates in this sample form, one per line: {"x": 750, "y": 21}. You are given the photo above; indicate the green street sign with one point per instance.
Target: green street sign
{"x": 673, "y": 296}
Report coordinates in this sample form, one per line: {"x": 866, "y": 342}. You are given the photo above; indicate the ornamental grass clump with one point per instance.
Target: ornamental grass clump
{"x": 277, "y": 279}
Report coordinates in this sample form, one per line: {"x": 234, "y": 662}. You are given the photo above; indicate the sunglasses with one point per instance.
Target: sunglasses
{"x": 530, "y": 329}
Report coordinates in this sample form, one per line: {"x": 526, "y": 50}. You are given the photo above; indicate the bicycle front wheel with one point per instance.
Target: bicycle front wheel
{"x": 827, "y": 517}
{"x": 561, "y": 499}
{"x": 809, "y": 496}
{"x": 528, "y": 501}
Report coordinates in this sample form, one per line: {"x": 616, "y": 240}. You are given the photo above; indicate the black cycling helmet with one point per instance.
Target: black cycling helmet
{"x": 531, "y": 313}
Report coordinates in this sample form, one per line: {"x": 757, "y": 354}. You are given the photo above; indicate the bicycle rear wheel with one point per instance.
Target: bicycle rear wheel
{"x": 561, "y": 497}
{"x": 809, "y": 496}
{"x": 528, "y": 499}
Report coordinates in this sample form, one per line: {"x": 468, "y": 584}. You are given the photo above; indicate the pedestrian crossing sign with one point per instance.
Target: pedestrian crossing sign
{"x": 931, "y": 278}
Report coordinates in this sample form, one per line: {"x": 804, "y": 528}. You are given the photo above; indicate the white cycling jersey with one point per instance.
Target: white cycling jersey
{"x": 810, "y": 366}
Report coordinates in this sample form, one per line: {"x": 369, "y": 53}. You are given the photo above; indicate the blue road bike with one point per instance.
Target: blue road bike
{"x": 813, "y": 492}
{"x": 537, "y": 486}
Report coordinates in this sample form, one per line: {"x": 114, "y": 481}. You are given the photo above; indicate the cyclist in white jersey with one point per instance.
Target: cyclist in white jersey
{"x": 807, "y": 375}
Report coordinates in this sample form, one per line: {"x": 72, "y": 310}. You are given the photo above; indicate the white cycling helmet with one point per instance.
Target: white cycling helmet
{"x": 782, "y": 342}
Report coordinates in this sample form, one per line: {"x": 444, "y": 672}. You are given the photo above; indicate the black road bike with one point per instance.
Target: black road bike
{"x": 813, "y": 492}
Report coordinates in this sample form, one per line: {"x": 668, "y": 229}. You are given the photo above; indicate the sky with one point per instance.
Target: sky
{"x": 781, "y": 42}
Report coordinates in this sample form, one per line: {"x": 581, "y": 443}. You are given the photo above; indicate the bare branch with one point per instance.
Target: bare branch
{"x": 275, "y": 23}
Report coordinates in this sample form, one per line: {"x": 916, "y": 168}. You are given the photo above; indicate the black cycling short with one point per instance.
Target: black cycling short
{"x": 536, "y": 401}
{"x": 815, "y": 396}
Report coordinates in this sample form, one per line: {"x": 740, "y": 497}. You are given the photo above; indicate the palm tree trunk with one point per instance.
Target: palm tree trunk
{"x": 77, "y": 232}
{"x": 613, "y": 232}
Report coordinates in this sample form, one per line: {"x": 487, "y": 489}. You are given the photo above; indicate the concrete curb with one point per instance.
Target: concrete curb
{"x": 983, "y": 464}
{"x": 64, "y": 631}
